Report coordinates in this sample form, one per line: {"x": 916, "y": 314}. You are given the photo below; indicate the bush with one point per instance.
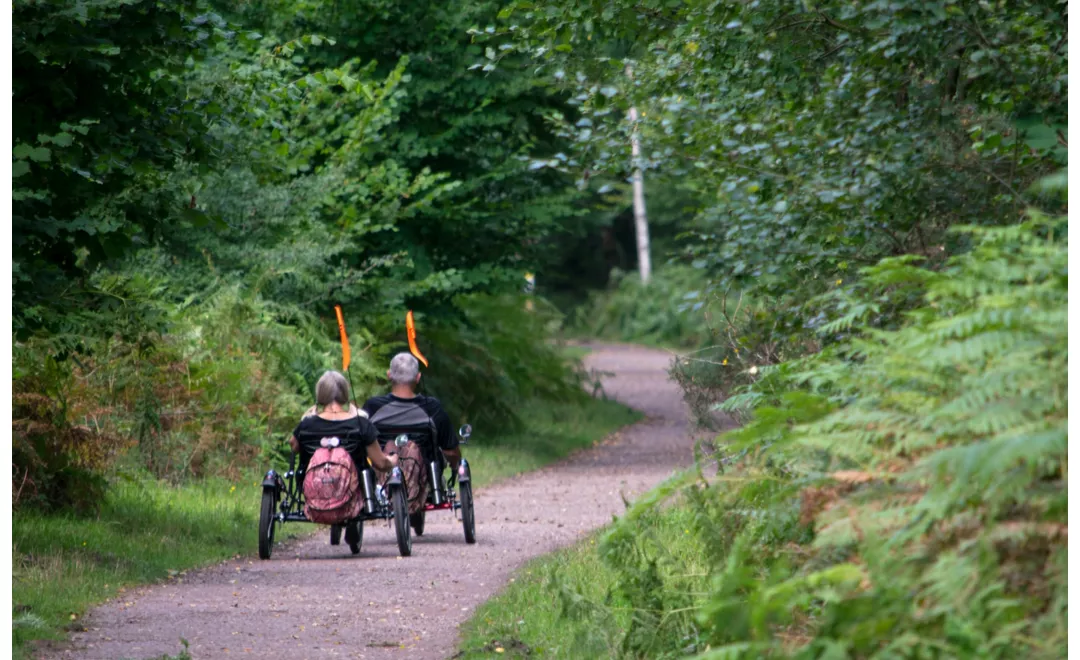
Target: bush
{"x": 216, "y": 386}
{"x": 929, "y": 462}
{"x": 671, "y": 310}
{"x": 751, "y": 335}
{"x": 497, "y": 360}
{"x": 208, "y": 396}
{"x": 902, "y": 493}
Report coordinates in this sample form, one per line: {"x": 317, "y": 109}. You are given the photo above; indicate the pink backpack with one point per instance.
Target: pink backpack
{"x": 331, "y": 487}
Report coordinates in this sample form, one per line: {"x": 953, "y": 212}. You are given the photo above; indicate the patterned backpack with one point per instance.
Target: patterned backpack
{"x": 331, "y": 485}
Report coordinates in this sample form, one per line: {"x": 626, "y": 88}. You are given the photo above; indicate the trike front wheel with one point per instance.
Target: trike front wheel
{"x": 267, "y": 523}
{"x": 468, "y": 516}
{"x": 401, "y": 520}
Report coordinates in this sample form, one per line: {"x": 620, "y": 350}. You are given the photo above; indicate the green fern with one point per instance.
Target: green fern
{"x": 903, "y": 492}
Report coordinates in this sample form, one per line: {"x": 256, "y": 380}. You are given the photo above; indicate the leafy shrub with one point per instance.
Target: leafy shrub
{"x": 211, "y": 394}
{"x": 752, "y": 334}
{"x": 933, "y": 463}
{"x": 902, "y": 493}
{"x": 667, "y": 311}
{"x": 497, "y": 360}
{"x": 55, "y": 464}
{"x": 218, "y": 386}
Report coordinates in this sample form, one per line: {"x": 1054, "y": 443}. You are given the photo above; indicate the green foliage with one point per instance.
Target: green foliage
{"x": 752, "y": 336}
{"x": 899, "y": 494}
{"x": 489, "y": 367}
{"x": 193, "y": 197}
{"x": 565, "y": 605}
{"x": 669, "y": 311}
{"x": 105, "y": 115}
{"x": 821, "y": 138}
{"x": 488, "y": 225}
{"x": 955, "y": 426}
{"x": 219, "y": 390}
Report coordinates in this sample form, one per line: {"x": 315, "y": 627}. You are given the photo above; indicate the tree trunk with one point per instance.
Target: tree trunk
{"x": 641, "y": 223}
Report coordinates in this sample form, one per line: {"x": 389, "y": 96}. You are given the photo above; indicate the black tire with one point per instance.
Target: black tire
{"x": 401, "y": 520}
{"x": 468, "y": 516}
{"x": 417, "y": 521}
{"x": 354, "y": 538}
{"x": 335, "y": 534}
{"x": 267, "y": 523}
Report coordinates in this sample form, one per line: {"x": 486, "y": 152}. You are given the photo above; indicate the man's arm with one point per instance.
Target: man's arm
{"x": 453, "y": 457}
{"x": 445, "y": 438}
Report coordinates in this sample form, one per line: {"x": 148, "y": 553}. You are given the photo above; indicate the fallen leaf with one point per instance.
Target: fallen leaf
{"x": 851, "y": 476}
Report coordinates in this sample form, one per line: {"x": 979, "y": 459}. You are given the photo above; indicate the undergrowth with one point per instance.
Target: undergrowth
{"x": 550, "y": 432}
{"x": 671, "y": 311}
{"x": 900, "y": 494}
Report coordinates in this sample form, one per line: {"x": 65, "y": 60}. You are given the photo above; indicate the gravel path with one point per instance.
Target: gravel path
{"x": 313, "y": 600}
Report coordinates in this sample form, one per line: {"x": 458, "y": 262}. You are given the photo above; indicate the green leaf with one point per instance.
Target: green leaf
{"x": 195, "y": 217}
{"x": 19, "y": 168}
{"x": 40, "y": 154}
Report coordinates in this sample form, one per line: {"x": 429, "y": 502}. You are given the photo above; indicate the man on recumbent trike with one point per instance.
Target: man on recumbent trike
{"x": 423, "y": 419}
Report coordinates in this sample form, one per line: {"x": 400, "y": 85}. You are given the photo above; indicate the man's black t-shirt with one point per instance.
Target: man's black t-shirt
{"x": 355, "y": 433}
{"x": 444, "y": 436}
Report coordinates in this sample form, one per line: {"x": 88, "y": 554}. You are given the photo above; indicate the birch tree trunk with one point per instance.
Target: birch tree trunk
{"x": 641, "y": 223}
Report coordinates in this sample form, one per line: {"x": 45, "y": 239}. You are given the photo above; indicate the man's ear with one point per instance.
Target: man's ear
{"x": 418, "y": 378}
{"x": 387, "y": 374}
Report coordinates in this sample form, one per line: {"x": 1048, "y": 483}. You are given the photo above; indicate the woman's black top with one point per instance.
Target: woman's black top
{"x": 355, "y": 434}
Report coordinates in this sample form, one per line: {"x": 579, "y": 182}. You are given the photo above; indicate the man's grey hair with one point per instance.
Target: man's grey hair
{"x": 332, "y": 388}
{"x": 404, "y": 369}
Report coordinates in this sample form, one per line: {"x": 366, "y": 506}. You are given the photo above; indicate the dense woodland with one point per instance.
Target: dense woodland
{"x": 194, "y": 191}
{"x": 859, "y": 224}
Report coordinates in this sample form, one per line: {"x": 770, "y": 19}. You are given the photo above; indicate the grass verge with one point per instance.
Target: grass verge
{"x": 552, "y": 431}
{"x": 148, "y": 531}
{"x": 569, "y": 604}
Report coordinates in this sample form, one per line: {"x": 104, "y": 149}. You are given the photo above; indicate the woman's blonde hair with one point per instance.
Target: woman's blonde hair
{"x": 332, "y": 388}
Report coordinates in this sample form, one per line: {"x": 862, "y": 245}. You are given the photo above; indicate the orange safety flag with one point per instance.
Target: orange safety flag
{"x": 410, "y": 327}
{"x": 346, "y": 354}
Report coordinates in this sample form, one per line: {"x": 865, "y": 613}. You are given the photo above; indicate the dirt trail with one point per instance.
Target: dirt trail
{"x": 313, "y": 600}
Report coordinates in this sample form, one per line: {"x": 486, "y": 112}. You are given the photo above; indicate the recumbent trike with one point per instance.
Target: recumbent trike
{"x": 283, "y": 500}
